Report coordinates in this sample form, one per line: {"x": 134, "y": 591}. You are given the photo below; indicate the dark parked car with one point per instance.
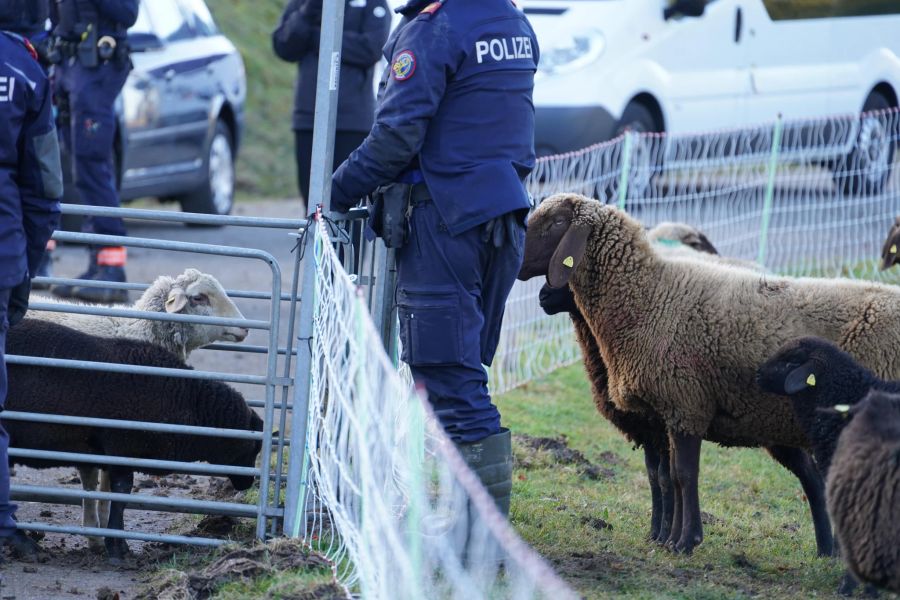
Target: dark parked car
{"x": 181, "y": 112}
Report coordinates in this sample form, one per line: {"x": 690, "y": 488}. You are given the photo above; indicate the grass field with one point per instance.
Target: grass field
{"x": 265, "y": 165}
{"x": 758, "y": 542}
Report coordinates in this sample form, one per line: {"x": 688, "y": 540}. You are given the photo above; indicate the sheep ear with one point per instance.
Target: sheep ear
{"x": 568, "y": 255}
{"x": 176, "y": 301}
{"x": 889, "y": 252}
{"x": 700, "y": 242}
{"x": 800, "y": 378}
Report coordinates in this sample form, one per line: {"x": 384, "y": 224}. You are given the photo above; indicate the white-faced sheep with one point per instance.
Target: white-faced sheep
{"x": 683, "y": 339}
{"x": 107, "y": 395}
{"x": 863, "y": 490}
{"x": 644, "y": 429}
{"x": 191, "y": 293}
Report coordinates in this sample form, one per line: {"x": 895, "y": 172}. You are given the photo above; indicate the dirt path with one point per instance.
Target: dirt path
{"x": 70, "y": 570}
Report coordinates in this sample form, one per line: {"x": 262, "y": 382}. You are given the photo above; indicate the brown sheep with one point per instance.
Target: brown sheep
{"x": 684, "y": 338}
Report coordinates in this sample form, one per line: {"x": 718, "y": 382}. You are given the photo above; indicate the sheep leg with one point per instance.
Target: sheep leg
{"x": 651, "y": 462}
{"x": 686, "y": 460}
{"x": 89, "y": 513}
{"x": 667, "y": 494}
{"x": 121, "y": 481}
{"x": 675, "y": 486}
{"x": 103, "y": 505}
{"x": 800, "y": 464}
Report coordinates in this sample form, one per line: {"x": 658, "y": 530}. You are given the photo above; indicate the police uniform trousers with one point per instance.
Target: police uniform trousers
{"x": 89, "y": 138}
{"x": 451, "y": 294}
{"x": 7, "y": 523}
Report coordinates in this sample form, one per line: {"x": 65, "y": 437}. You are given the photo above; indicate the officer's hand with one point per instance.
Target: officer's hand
{"x": 18, "y": 302}
{"x": 340, "y": 202}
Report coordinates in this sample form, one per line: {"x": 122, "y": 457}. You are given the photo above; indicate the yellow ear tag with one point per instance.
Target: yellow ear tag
{"x": 811, "y": 380}
{"x": 894, "y": 249}
{"x": 842, "y": 408}
{"x": 569, "y": 261}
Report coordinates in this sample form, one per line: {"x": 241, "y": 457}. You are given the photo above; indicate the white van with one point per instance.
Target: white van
{"x": 695, "y": 65}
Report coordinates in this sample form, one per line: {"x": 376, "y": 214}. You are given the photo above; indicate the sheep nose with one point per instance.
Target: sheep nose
{"x": 240, "y": 333}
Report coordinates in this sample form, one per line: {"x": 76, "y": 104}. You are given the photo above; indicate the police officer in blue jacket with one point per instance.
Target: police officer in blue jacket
{"x": 454, "y": 133}
{"x": 30, "y": 187}
{"x": 94, "y": 64}
{"x": 296, "y": 39}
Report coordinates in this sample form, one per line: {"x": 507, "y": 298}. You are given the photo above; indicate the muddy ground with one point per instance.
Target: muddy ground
{"x": 69, "y": 569}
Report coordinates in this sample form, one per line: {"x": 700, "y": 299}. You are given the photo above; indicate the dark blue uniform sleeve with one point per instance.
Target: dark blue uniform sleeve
{"x": 363, "y": 48}
{"x": 40, "y": 179}
{"x": 124, "y": 12}
{"x": 295, "y": 35}
{"x": 423, "y": 60}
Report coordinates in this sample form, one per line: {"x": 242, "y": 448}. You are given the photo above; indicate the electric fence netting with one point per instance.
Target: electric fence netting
{"x": 387, "y": 496}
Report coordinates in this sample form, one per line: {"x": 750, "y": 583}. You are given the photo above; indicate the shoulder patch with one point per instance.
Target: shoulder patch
{"x": 431, "y": 8}
{"x": 404, "y": 65}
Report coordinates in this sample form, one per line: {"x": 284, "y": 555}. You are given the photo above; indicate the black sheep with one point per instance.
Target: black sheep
{"x": 864, "y": 490}
{"x": 816, "y": 374}
{"x": 109, "y": 395}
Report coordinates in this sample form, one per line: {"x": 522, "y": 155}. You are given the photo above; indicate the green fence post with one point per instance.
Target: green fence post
{"x": 770, "y": 190}
{"x": 626, "y": 166}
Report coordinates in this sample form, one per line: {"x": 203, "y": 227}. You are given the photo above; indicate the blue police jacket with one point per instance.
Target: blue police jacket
{"x": 30, "y": 176}
{"x": 457, "y": 100}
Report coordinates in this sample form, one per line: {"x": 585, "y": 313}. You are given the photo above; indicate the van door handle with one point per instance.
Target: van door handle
{"x": 738, "y": 24}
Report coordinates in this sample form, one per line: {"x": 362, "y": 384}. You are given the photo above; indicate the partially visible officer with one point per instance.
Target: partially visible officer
{"x": 35, "y": 31}
{"x": 30, "y": 187}
{"x": 454, "y": 135}
{"x": 94, "y": 64}
{"x": 366, "y": 27}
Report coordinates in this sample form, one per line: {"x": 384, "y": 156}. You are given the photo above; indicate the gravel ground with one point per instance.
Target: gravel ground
{"x": 69, "y": 569}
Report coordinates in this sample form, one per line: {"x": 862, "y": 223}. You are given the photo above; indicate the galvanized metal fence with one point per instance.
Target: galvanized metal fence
{"x": 276, "y": 380}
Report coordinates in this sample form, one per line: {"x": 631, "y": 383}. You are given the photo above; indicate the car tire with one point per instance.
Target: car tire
{"x": 646, "y": 156}
{"x": 867, "y": 168}
{"x": 216, "y": 195}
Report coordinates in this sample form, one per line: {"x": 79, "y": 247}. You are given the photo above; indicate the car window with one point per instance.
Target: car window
{"x": 168, "y": 20}
{"x": 199, "y": 16}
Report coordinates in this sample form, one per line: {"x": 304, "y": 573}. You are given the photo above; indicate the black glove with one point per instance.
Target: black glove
{"x": 502, "y": 230}
{"x": 18, "y": 302}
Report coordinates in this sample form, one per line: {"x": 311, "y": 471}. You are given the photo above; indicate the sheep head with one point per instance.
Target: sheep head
{"x": 684, "y": 234}
{"x": 890, "y": 252}
{"x": 808, "y": 364}
{"x": 247, "y": 456}
{"x": 197, "y": 293}
{"x": 556, "y": 239}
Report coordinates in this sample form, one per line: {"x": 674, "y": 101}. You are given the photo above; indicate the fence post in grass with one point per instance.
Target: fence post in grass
{"x": 770, "y": 190}
{"x": 627, "y": 144}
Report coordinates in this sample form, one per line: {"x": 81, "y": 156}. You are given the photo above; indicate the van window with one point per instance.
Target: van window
{"x": 780, "y": 10}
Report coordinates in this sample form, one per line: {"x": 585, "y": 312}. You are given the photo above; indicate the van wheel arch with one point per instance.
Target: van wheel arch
{"x": 867, "y": 168}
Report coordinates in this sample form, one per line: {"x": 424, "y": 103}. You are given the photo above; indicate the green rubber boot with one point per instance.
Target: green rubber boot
{"x": 491, "y": 460}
